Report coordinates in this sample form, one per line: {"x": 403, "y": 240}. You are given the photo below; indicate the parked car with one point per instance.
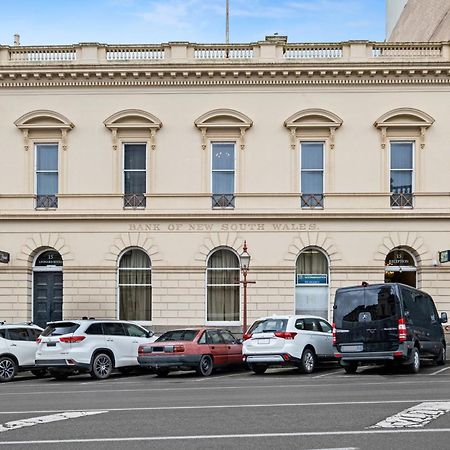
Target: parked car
{"x": 18, "y": 349}
{"x": 299, "y": 341}
{"x": 94, "y": 346}
{"x": 387, "y": 323}
{"x": 197, "y": 349}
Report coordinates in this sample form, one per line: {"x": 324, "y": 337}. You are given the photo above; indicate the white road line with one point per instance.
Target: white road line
{"x": 15, "y": 425}
{"x": 226, "y": 436}
{"x": 439, "y": 371}
{"x": 234, "y": 406}
{"x": 415, "y": 417}
{"x": 327, "y": 374}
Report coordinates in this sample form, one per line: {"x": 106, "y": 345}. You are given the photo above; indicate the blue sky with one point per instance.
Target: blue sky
{"x": 155, "y": 21}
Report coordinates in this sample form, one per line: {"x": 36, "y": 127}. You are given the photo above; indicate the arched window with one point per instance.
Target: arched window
{"x": 400, "y": 267}
{"x": 222, "y": 276}
{"x": 311, "y": 284}
{"x": 135, "y": 286}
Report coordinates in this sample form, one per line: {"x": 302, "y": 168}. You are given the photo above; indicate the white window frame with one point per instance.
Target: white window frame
{"x": 324, "y": 153}
{"x": 413, "y": 169}
{"x": 125, "y": 143}
{"x": 222, "y": 141}
{"x": 36, "y": 144}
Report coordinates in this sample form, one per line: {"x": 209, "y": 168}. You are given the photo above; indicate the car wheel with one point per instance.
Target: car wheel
{"x": 351, "y": 368}
{"x": 205, "y": 366}
{"x": 414, "y": 366}
{"x": 101, "y": 366}
{"x": 8, "y": 369}
{"x": 58, "y": 375}
{"x": 441, "y": 357}
{"x": 308, "y": 361}
{"x": 162, "y": 373}
{"x": 259, "y": 369}
{"x": 39, "y": 373}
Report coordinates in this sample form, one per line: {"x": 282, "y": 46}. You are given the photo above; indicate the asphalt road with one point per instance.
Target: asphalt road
{"x": 281, "y": 409}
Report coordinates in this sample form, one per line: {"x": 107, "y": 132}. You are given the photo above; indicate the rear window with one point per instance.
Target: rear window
{"x": 365, "y": 305}
{"x": 58, "y": 329}
{"x": 178, "y": 335}
{"x": 268, "y": 325}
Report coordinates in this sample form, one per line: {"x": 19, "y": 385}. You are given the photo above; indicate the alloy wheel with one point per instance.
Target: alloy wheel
{"x": 7, "y": 369}
{"x": 102, "y": 366}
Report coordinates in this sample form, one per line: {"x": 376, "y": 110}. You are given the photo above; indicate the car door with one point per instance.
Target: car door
{"x": 314, "y": 335}
{"x": 136, "y": 337}
{"x": 234, "y": 347}
{"x": 327, "y": 337}
{"x": 217, "y": 347}
{"x": 435, "y": 327}
{"x": 22, "y": 345}
{"x": 118, "y": 341}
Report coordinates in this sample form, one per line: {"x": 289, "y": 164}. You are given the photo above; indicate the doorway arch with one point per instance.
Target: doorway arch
{"x": 47, "y": 287}
{"x": 400, "y": 267}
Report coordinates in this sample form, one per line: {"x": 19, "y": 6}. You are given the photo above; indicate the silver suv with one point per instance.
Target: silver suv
{"x": 18, "y": 349}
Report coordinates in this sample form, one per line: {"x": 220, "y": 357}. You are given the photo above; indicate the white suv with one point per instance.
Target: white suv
{"x": 288, "y": 341}
{"x": 94, "y": 346}
{"x": 18, "y": 349}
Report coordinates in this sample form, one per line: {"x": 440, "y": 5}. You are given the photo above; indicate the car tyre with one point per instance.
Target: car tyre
{"x": 414, "y": 366}
{"x": 308, "y": 361}
{"x": 206, "y": 366}
{"x": 8, "y": 369}
{"x": 39, "y": 373}
{"x": 351, "y": 368}
{"x": 101, "y": 366}
{"x": 442, "y": 356}
{"x": 162, "y": 373}
{"x": 258, "y": 369}
{"x": 58, "y": 374}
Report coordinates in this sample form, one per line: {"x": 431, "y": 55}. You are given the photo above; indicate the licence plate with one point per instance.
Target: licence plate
{"x": 263, "y": 341}
{"x": 51, "y": 344}
{"x": 351, "y": 348}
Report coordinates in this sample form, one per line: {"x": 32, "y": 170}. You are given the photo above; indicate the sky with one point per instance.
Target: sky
{"x": 51, "y": 22}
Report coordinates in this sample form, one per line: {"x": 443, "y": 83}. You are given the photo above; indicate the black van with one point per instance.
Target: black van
{"x": 386, "y": 323}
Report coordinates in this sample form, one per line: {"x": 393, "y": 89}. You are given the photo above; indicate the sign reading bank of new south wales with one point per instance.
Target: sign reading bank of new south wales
{"x": 4, "y": 257}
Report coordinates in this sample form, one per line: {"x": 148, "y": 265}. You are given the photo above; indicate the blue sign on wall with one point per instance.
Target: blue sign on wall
{"x": 307, "y": 278}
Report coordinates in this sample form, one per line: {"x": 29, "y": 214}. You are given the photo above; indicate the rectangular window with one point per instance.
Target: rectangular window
{"x": 134, "y": 175}
{"x": 401, "y": 174}
{"x": 223, "y": 174}
{"x": 46, "y": 175}
{"x": 312, "y": 167}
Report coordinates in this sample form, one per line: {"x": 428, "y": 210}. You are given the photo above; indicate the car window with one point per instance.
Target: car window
{"x": 213, "y": 337}
{"x": 135, "y": 331}
{"x": 311, "y": 325}
{"x": 2, "y": 334}
{"x": 268, "y": 325}
{"x": 58, "y": 329}
{"x": 202, "y": 339}
{"x": 113, "y": 329}
{"x": 178, "y": 335}
{"x": 300, "y": 324}
{"x": 34, "y": 333}
{"x": 325, "y": 327}
{"x": 18, "y": 334}
{"x": 227, "y": 337}
{"x": 95, "y": 329}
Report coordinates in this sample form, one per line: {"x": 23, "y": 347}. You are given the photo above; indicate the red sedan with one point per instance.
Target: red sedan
{"x": 200, "y": 349}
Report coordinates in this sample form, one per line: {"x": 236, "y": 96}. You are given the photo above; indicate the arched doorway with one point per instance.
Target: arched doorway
{"x": 47, "y": 287}
{"x": 312, "y": 283}
{"x": 400, "y": 267}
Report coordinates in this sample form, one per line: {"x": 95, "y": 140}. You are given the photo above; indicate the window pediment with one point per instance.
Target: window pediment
{"x": 133, "y": 119}
{"x": 313, "y": 121}
{"x": 43, "y": 120}
{"x": 221, "y": 120}
{"x": 403, "y": 119}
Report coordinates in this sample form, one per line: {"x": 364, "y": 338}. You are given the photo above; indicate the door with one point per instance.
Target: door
{"x": 47, "y": 297}
{"x": 327, "y": 337}
{"x": 233, "y": 347}
{"x": 217, "y": 347}
{"x": 23, "y": 345}
{"x": 119, "y": 342}
{"x": 136, "y": 337}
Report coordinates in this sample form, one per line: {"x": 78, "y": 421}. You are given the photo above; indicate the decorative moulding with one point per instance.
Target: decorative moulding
{"x": 43, "y": 120}
{"x": 217, "y": 240}
{"x": 223, "y": 119}
{"x": 133, "y": 240}
{"x": 401, "y": 118}
{"x": 133, "y": 119}
{"x": 312, "y": 119}
{"x": 42, "y": 241}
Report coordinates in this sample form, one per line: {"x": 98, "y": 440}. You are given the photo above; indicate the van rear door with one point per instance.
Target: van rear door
{"x": 366, "y": 318}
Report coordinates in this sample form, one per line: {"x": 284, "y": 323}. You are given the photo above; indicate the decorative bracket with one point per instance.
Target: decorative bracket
{"x": 64, "y": 139}
{"x": 203, "y": 131}
{"x": 383, "y": 138}
{"x": 242, "y": 139}
{"x": 293, "y": 138}
{"x": 26, "y": 140}
{"x": 422, "y": 137}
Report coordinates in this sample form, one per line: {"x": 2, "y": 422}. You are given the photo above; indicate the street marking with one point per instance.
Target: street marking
{"x": 327, "y": 374}
{"x": 226, "y": 436}
{"x": 439, "y": 371}
{"x": 15, "y": 425}
{"x": 415, "y": 417}
{"x": 259, "y": 405}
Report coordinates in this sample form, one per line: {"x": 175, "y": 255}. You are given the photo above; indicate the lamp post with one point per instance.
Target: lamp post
{"x": 245, "y": 263}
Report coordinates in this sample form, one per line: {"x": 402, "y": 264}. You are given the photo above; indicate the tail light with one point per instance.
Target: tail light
{"x": 246, "y": 336}
{"x": 401, "y": 330}
{"x": 38, "y": 340}
{"x": 334, "y": 334}
{"x": 285, "y": 334}
{"x": 140, "y": 350}
{"x": 178, "y": 348}
{"x": 72, "y": 339}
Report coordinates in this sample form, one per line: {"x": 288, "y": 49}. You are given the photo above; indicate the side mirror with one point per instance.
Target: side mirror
{"x": 150, "y": 334}
{"x": 444, "y": 318}
{"x": 239, "y": 341}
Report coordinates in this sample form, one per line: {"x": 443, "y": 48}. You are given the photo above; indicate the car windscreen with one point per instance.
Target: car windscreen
{"x": 365, "y": 305}
{"x": 178, "y": 335}
{"x": 58, "y": 329}
{"x": 268, "y": 325}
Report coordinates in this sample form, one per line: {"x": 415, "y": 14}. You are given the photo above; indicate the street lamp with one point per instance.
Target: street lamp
{"x": 245, "y": 263}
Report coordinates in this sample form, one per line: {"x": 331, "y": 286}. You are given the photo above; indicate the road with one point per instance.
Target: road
{"x": 281, "y": 409}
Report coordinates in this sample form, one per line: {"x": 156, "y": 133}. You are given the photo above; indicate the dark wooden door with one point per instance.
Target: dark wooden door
{"x": 48, "y": 297}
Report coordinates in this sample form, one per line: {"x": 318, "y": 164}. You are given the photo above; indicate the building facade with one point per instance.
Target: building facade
{"x": 132, "y": 175}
